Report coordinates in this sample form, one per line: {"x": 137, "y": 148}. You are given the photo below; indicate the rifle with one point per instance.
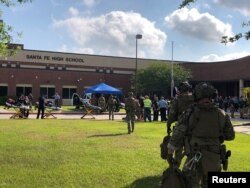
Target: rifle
{"x": 224, "y": 155}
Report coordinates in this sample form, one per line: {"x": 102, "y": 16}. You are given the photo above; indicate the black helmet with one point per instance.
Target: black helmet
{"x": 204, "y": 90}
{"x": 184, "y": 86}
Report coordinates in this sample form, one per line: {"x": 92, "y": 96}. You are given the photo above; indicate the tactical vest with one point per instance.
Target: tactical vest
{"x": 205, "y": 126}
{"x": 183, "y": 103}
{"x": 111, "y": 102}
{"x": 130, "y": 105}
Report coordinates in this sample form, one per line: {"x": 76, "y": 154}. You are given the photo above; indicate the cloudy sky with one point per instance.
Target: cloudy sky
{"x": 108, "y": 27}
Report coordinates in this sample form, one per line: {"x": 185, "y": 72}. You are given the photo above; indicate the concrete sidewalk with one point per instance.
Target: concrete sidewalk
{"x": 70, "y": 116}
{"x": 5, "y": 114}
{"x": 242, "y": 129}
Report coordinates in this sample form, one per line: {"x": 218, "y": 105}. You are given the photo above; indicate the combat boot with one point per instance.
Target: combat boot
{"x": 133, "y": 126}
{"x": 129, "y": 129}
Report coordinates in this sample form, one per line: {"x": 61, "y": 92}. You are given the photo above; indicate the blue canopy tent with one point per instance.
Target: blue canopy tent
{"x": 103, "y": 88}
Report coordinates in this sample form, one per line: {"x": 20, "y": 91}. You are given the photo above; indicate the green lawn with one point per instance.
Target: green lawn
{"x": 89, "y": 153}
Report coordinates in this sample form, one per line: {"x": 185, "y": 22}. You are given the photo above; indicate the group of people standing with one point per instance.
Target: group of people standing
{"x": 27, "y": 102}
{"x": 145, "y": 107}
{"x": 233, "y": 104}
{"x": 142, "y": 109}
{"x": 111, "y": 104}
{"x": 42, "y": 103}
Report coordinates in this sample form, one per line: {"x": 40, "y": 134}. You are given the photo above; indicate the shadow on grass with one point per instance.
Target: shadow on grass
{"x": 146, "y": 182}
{"x": 107, "y": 135}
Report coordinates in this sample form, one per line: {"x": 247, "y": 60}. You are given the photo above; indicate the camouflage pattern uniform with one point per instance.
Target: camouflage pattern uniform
{"x": 94, "y": 101}
{"x": 242, "y": 106}
{"x": 204, "y": 127}
{"x": 102, "y": 102}
{"x": 111, "y": 104}
{"x": 130, "y": 107}
{"x": 178, "y": 106}
{"x": 138, "y": 110}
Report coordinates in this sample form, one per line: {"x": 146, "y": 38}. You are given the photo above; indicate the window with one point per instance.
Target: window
{"x": 47, "y": 91}
{"x": 68, "y": 92}
{"x": 3, "y": 91}
{"x": 23, "y": 90}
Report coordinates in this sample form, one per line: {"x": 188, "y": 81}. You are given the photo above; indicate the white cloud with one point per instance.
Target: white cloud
{"x": 242, "y": 6}
{"x": 89, "y": 3}
{"x": 83, "y": 50}
{"x": 206, "y": 6}
{"x": 114, "y": 34}
{"x": 73, "y": 11}
{"x": 215, "y": 57}
{"x": 198, "y": 25}
{"x": 65, "y": 48}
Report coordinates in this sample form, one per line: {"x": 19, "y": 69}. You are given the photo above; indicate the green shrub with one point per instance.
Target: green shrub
{"x": 3, "y": 100}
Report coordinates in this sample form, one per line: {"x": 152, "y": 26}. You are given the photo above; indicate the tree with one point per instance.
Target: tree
{"x": 186, "y": 3}
{"x": 224, "y": 39}
{"x": 6, "y": 31}
{"x": 157, "y": 78}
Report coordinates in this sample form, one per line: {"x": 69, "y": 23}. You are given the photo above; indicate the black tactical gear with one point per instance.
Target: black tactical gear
{"x": 169, "y": 130}
{"x": 204, "y": 127}
{"x": 172, "y": 178}
{"x": 130, "y": 107}
{"x": 204, "y": 90}
{"x": 164, "y": 148}
{"x": 184, "y": 86}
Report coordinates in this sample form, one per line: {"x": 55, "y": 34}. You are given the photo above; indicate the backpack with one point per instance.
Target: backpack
{"x": 172, "y": 177}
{"x": 164, "y": 148}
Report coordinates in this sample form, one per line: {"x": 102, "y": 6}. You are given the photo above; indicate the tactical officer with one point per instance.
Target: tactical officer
{"x": 102, "y": 102}
{"x": 203, "y": 127}
{"x": 111, "y": 106}
{"x": 179, "y": 105}
{"x": 130, "y": 107}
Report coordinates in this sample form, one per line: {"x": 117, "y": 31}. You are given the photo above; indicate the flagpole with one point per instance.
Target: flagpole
{"x": 172, "y": 71}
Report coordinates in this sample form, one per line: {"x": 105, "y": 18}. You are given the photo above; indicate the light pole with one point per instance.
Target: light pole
{"x": 172, "y": 72}
{"x": 138, "y": 36}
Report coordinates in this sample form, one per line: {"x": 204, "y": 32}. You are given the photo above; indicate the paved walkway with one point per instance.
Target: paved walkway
{"x": 243, "y": 127}
{"x": 6, "y": 114}
{"x": 72, "y": 116}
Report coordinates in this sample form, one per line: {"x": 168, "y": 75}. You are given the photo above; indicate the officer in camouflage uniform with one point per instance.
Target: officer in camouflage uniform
{"x": 180, "y": 103}
{"x": 102, "y": 102}
{"x": 130, "y": 107}
{"x": 204, "y": 127}
{"x": 111, "y": 104}
{"x": 94, "y": 100}
{"x": 178, "y": 106}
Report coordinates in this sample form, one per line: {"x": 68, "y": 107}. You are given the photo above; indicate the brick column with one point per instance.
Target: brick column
{"x": 241, "y": 86}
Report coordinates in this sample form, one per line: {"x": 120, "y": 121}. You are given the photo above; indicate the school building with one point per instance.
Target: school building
{"x": 67, "y": 73}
